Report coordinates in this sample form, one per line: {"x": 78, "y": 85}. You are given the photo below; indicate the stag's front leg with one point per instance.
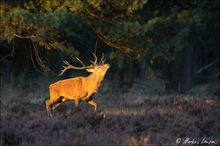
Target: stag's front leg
{"x": 77, "y": 102}
{"x": 92, "y": 102}
{"x": 77, "y": 105}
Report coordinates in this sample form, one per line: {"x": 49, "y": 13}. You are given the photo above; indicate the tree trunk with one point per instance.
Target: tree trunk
{"x": 186, "y": 81}
{"x": 128, "y": 75}
{"x": 171, "y": 72}
{"x": 124, "y": 78}
{"x": 179, "y": 74}
{"x": 117, "y": 80}
{"x": 142, "y": 72}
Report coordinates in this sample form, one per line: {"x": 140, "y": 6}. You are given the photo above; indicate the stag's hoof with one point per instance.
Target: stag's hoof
{"x": 102, "y": 114}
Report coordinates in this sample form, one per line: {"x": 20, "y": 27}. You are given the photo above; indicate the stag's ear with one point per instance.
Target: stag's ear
{"x": 90, "y": 70}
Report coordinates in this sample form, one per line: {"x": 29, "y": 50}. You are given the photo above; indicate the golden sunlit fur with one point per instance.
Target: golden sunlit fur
{"x": 77, "y": 89}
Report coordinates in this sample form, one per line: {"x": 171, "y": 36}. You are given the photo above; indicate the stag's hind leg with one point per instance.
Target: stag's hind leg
{"x": 51, "y": 104}
{"x": 58, "y": 102}
{"x": 48, "y": 107}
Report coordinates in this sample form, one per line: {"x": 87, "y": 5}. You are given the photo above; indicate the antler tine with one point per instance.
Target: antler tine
{"x": 69, "y": 66}
{"x": 63, "y": 70}
{"x": 94, "y": 62}
{"x": 65, "y": 67}
{"x": 66, "y": 62}
{"x": 80, "y": 61}
{"x": 102, "y": 61}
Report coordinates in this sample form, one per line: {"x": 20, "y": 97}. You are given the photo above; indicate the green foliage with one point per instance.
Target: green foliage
{"x": 149, "y": 73}
{"x": 152, "y": 29}
{"x": 193, "y": 93}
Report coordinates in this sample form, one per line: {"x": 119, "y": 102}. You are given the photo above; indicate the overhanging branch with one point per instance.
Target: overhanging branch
{"x": 110, "y": 43}
{"x": 24, "y": 37}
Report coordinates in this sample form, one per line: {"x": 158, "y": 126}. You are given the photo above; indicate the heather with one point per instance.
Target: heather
{"x": 136, "y": 117}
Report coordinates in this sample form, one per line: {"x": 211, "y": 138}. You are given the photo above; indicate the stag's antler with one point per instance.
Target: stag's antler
{"x": 102, "y": 61}
{"x": 94, "y": 62}
{"x": 69, "y": 66}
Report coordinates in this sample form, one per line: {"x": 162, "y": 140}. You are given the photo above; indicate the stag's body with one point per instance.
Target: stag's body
{"x": 77, "y": 89}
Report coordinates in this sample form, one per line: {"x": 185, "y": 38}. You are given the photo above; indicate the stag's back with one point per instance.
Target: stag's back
{"x": 69, "y": 88}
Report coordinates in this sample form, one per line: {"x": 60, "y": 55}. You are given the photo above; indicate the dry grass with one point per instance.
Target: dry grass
{"x": 134, "y": 118}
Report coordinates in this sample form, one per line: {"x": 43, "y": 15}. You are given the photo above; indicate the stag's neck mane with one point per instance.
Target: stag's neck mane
{"x": 95, "y": 78}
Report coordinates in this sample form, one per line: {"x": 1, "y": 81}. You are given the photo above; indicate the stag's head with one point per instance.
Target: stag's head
{"x": 97, "y": 68}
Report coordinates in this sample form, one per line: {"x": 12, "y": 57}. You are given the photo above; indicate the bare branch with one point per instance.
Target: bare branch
{"x": 110, "y": 43}
{"x": 207, "y": 66}
{"x": 8, "y": 55}
{"x": 24, "y": 37}
{"x": 96, "y": 43}
{"x": 98, "y": 17}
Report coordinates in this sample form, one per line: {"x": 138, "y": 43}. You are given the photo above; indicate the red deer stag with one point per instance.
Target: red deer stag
{"x": 79, "y": 88}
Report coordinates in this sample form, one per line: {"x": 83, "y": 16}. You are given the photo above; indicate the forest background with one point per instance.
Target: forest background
{"x": 154, "y": 47}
